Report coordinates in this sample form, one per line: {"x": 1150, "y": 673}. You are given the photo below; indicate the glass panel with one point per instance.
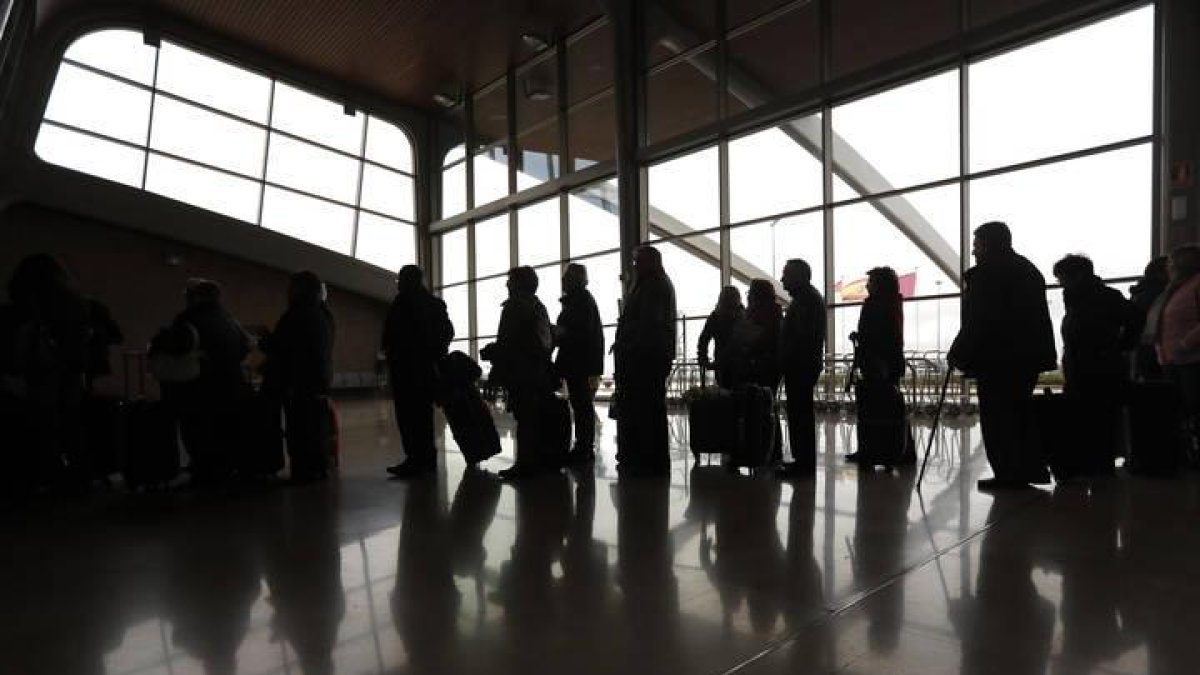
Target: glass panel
{"x": 187, "y": 131}
{"x": 455, "y": 154}
{"x": 681, "y": 98}
{"x": 312, "y": 220}
{"x": 538, "y": 233}
{"x": 492, "y": 246}
{"x": 388, "y": 145}
{"x": 1100, "y": 206}
{"x": 845, "y": 322}
{"x": 458, "y": 309}
{"x": 454, "y": 190}
{"x": 317, "y": 119}
{"x": 214, "y": 83}
{"x": 491, "y": 117}
{"x": 104, "y": 159}
{"x": 454, "y": 256}
{"x": 389, "y": 244}
{"x": 550, "y": 289}
{"x": 604, "y": 281}
{"x": 674, "y": 26}
{"x": 694, "y": 266}
{"x": 491, "y": 176}
{"x": 593, "y": 221}
{"x": 610, "y": 336}
{"x": 311, "y": 169}
{"x": 685, "y": 195}
{"x": 760, "y": 250}
{"x": 776, "y": 170}
{"x": 775, "y": 60}
{"x": 930, "y": 325}
{"x": 101, "y": 104}
{"x": 1088, "y": 87}
{"x": 537, "y": 124}
{"x": 388, "y": 192}
{"x": 592, "y": 132}
{"x": 867, "y": 235}
{"x": 898, "y": 138}
{"x": 490, "y": 295}
{"x": 212, "y": 190}
{"x": 117, "y": 51}
{"x": 869, "y": 32}
{"x": 590, "y": 64}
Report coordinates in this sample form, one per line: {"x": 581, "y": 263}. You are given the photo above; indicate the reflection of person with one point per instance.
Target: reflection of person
{"x": 646, "y": 578}
{"x": 644, "y": 351}
{"x": 880, "y": 533}
{"x": 580, "y": 358}
{"x": 521, "y": 363}
{"x": 299, "y": 370}
{"x": 416, "y": 334}
{"x": 1095, "y": 330}
{"x": 303, "y": 567}
{"x": 801, "y": 360}
{"x": 1005, "y": 341}
{"x": 718, "y": 329}
{"x": 1007, "y": 609}
{"x": 585, "y": 587}
{"x": 803, "y": 597}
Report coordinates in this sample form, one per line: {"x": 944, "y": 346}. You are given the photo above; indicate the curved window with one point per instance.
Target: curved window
{"x": 202, "y": 131}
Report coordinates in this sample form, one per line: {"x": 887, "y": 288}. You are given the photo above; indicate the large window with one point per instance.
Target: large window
{"x": 187, "y": 126}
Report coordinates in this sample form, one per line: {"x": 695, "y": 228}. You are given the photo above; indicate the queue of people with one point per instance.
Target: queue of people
{"x": 55, "y": 343}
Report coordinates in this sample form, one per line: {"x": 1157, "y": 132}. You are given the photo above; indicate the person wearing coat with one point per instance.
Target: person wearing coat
{"x": 299, "y": 371}
{"x": 801, "y": 360}
{"x": 521, "y": 364}
{"x": 644, "y": 351}
{"x": 416, "y": 335}
{"x": 580, "y": 358}
{"x": 1005, "y": 341}
{"x": 718, "y": 330}
{"x": 1175, "y": 322}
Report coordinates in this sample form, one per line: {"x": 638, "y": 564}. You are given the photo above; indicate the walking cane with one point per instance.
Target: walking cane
{"x": 937, "y": 416}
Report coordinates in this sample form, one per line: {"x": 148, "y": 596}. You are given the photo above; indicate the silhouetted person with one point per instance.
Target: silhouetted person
{"x": 104, "y": 333}
{"x": 51, "y": 343}
{"x": 521, "y": 363}
{"x": 1177, "y": 327}
{"x": 879, "y": 354}
{"x": 644, "y": 351}
{"x": 1005, "y": 341}
{"x": 303, "y": 568}
{"x": 425, "y": 601}
{"x": 299, "y": 371}
{"x": 416, "y": 334}
{"x": 1098, "y": 326}
{"x": 471, "y": 515}
{"x": 718, "y": 329}
{"x": 801, "y": 360}
{"x": 1146, "y": 297}
{"x": 756, "y": 347}
{"x": 1007, "y": 627}
{"x": 580, "y": 358}
{"x": 209, "y": 421}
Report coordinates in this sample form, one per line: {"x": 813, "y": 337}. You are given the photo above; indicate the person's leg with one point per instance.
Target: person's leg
{"x": 1006, "y": 418}
{"x": 414, "y": 418}
{"x": 802, "y": 424}
{"x": 583, "y": 397}
{"x": 657, "y": 430}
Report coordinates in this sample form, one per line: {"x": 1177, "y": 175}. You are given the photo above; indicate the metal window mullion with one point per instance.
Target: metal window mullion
{"x": 150, "y": 119}
{"x": 358, "y": 188}
{"x": 1160, "y": 187}
{"x": 262, "y": 181}
{"x": 964, "y": 160}
{"x": 726, "y": 257}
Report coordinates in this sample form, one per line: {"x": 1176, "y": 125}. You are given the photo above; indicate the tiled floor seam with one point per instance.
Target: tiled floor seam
{"x": 830, "y": 614}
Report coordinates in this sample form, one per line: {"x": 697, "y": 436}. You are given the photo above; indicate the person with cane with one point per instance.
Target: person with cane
{"x": 1005, "y": 341}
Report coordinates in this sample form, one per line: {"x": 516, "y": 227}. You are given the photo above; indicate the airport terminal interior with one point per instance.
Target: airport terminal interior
{"x": 148, "y": 143}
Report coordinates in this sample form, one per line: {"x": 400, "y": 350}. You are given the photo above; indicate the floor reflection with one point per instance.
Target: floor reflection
{"x": 852, "y": 572}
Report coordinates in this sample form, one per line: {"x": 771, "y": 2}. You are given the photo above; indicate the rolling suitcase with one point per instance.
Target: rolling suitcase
{"x": 151, "y": 448}
{"x": 471, "y": 424}
{"x": 756, "y": 427}
{"x": 881, "y": 426}
{"x": 104, "y": 435}
{"x": 1157, "y": 441}
{"x": 712, "y": 420}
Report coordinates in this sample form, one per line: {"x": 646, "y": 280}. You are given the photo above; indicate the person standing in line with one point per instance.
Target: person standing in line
{"x": 299, "y": 371}
{"x": 644, "y": 351}
{"x": 521, "y": 364}
{"x": 718, "y": 329}
{"x": 1006, "y": 340}
{"x": 1145, "y": 297}
{"x": 801, "y": 360}
{"x": 580, "y": 358}
{"x": 416, "y": 335}
{"x": 1176, "y": 326}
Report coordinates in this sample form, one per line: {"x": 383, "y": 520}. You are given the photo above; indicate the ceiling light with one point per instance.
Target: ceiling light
{"x": 535, "y": 42}
{"x": 445, "y": 100}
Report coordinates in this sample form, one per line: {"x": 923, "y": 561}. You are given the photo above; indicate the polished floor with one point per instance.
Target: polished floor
{"x": 853, "y": 572}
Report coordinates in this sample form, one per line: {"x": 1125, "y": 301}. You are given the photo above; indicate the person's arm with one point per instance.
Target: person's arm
{"x": 706, "y": 336}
